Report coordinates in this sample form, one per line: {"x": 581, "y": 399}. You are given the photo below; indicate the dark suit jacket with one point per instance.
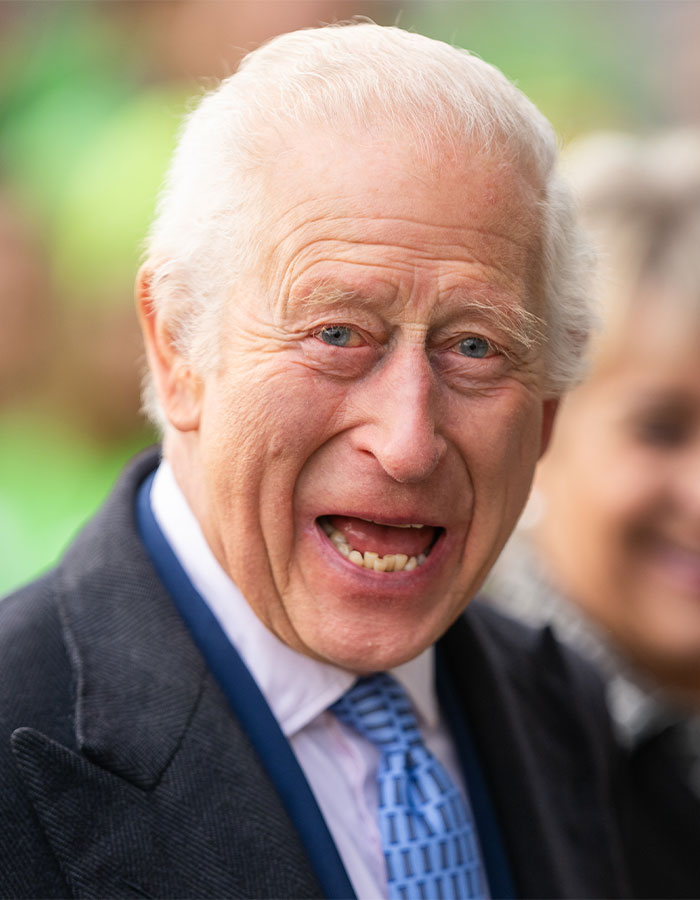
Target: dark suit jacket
{"x": 661, "y": 818}
{"x": 124, "y": 773}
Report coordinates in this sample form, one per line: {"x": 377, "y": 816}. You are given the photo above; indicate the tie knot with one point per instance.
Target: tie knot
{"x": 379, "y": 709}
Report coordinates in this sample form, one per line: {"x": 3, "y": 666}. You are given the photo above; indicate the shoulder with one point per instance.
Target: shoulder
{"x": 36, "y": 691}
{"x": 546, "y": 675}
{"x": 530, "y": 645}
{"x": 36, "y": 679}
{"x": 40, "y": 675}
{"x": 35, "y": 635}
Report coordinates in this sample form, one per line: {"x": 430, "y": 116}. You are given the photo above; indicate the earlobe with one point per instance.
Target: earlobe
{"x": 549, "y": 413}
{"x": 178, "y": 387}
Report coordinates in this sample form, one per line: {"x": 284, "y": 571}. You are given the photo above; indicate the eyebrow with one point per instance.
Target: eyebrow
{"x": 526, "y": 328}
{"x": 332, "y": 295}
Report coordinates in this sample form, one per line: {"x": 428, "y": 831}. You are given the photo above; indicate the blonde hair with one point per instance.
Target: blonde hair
{"x": 640, "y": 202}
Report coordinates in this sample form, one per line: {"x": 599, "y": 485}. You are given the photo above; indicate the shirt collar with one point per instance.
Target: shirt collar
{"x": 296, "y": 687}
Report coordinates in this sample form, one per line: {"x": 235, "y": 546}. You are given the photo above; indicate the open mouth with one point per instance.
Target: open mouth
{"x": 379, "y": 546}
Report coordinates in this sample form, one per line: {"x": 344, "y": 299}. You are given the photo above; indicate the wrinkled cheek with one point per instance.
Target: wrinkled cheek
{"x": 503, "y": 481}
{"x": 264, "y": 433}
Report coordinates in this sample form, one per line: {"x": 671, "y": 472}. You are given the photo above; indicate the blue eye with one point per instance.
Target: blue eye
{"x": 475, "y": 347}
{"x": 336, "y": 335}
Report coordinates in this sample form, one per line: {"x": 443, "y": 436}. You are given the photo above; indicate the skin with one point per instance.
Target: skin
{"x": 399, "y": 425}
{"x": 622, "y": 490}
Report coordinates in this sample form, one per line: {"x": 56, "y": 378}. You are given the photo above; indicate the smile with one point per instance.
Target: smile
{"x": 380, "y": 547}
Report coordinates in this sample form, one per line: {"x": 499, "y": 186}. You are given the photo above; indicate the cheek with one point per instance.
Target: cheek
{"x": 502, "y": 436}
{"x": 599, "y": 485}
{"x": 627, "y": 491}
{"x": 499, "y": 443}
{"x": 259, "y": 432}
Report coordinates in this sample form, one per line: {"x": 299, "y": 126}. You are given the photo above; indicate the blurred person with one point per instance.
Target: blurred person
{"x": 609, "y": 548}
{"x": 250, "y": 675}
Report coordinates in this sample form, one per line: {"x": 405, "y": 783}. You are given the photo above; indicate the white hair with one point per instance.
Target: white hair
{"x": 209, "y": 227}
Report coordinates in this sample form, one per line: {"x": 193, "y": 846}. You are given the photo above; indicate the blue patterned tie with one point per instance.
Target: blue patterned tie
{"x": 427, "y": 834}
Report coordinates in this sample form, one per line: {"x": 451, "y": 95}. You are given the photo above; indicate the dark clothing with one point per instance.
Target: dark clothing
{"x": 659, "y": 776}
{"x": 661, "y": 817}
{"x": 124, "y": 772}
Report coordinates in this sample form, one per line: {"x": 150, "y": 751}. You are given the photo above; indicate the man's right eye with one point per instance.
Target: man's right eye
{"x": 339, "y": 336}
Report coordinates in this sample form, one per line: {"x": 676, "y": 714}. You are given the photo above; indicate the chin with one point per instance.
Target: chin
{"x": 371, "y": 655}
{"x": 371, "y": 635}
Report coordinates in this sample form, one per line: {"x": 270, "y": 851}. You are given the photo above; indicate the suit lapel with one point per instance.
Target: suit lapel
{"x": 537, "y": 769}
{"x": 505, "y": 758}
{"x": 165, "y": 797}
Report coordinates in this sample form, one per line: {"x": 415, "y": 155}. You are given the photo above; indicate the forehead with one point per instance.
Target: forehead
{"x": 376, "y": 209}
{"x": 652, "y": 331}
{"x": 652, "y": 363}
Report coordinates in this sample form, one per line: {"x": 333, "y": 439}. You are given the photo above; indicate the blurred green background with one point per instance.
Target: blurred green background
{"x": 91, "y": 94}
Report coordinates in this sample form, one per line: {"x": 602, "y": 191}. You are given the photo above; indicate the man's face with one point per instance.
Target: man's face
{"x": 373, "y": 378}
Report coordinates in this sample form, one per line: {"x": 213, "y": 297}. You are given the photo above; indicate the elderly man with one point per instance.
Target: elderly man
{"x": 250, "y": 676}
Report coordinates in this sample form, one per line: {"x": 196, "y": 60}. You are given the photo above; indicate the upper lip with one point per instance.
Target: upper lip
{"x": 387, "y": 520}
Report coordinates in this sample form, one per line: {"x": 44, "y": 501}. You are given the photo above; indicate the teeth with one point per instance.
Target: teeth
{"x": 356, "y": 557}
{"x": 400, "y": 560}
{"x": 392, "y": 562}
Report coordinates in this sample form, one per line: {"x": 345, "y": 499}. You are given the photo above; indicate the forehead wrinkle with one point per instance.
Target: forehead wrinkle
{"x": 501, "y": 230}
{"x": 327, "y": 294}
{"x": 330, "y": 291}
{"x": 487, "y": 273}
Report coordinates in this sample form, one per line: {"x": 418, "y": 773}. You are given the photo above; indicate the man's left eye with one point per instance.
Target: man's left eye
{"x": 475, "y": 347}
{"x": 339, "y": 336}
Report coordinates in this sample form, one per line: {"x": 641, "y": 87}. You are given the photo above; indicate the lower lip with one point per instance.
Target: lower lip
{"x": 400, "y": 583}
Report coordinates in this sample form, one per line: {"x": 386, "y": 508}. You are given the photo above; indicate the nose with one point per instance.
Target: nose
{"x": 401, "y": 410}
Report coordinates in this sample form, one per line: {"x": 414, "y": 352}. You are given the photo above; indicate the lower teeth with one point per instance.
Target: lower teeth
{"x": 392, "y": 562}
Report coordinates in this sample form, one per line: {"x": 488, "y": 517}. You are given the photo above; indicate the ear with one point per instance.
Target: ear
{"x": 549, "y": 413}
{"x": 178, "y": 387}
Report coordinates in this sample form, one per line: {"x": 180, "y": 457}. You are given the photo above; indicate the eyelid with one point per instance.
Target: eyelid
{"x": 363, "y": 340}
{"x": 495, "y": 349}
